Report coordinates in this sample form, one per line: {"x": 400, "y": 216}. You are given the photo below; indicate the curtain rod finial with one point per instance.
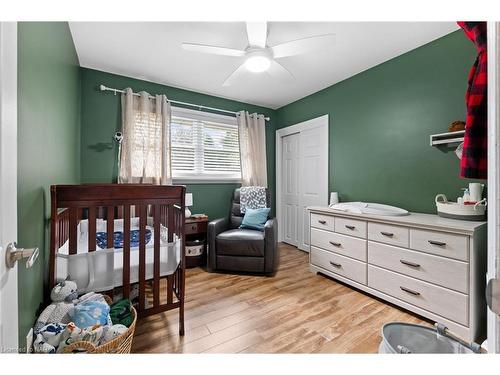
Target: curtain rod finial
{"x": 102, "y": 87}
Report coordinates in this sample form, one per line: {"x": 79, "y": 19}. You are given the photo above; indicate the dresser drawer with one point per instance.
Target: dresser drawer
{"x": 340, "y": 244}
{"x": 192, "y": 228}
{"x": 341, "y": 265}
{"x": 390, "y": 234}
{"x": 445, "y": 272}
{"x": 438, "y": 300}
{"x": 322, "y": 221}
{"x": 449, "y": 245}
{"x": 454, "y": 246}
{"x": 356, "y": 228}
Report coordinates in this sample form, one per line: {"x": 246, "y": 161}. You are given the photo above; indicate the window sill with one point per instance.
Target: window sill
{"x": 194, "y": 181}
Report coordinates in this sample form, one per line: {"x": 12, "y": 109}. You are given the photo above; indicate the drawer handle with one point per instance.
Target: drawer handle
{"x": 337, "y": 244}
{"x": 387, "y": 234}
{"x": 409, "y": 291}
{"x": 338, "y": 265}
{"x": 351, "y": 227}
{"x": 411, "y": 264}
{"x": 322, "y": 221}
{"x": 437, "y": 243}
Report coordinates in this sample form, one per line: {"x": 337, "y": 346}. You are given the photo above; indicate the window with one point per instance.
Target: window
{"x": 205, "y": 146}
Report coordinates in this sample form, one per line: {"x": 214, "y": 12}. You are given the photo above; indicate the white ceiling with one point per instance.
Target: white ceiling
{"x": 152, "y": 51}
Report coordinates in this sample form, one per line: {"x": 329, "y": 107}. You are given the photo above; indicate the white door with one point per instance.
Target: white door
{"x": 313, "y": 177}
{"x": 290, "y": 191}
{"x": 8, "y": 184}
{"x": 493, "y": 177}
{"x": 302, "y": 177}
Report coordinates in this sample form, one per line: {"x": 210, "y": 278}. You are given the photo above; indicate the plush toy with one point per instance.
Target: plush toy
{"x": 74, "y": 334}
{"x": 48, "y": 338}
{"x": 112, "y": 332}
{"x": 59, "y": 311}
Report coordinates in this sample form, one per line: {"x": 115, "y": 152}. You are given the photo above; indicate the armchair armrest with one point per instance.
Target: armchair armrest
{"x": 215, "y": 227}
{"x": 271, "y": 256}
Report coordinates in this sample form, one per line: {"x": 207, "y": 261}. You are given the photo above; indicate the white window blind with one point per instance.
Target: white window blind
{"x": 205, "y": 146}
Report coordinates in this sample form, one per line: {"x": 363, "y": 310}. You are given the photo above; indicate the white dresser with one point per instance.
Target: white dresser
{"x": 433, "y": 266}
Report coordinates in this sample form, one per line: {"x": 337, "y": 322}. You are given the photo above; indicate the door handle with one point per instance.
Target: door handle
{"x": 322, "y": 221}
{"x": 493, "y": 295}
{"x": 13, "y": 254}
{"x": 387, "y": 234}
{"x": 351, "y": 227}
{"x": 338, "y": 265}
{"x": 337, "y": 244}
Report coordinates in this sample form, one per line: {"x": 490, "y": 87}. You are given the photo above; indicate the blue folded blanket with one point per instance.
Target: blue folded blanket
{"x": 102, "y": 239}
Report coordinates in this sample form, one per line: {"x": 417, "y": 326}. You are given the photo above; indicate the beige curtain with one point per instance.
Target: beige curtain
{"x": 252, "y": 134}
{"x": 145, "y": 151}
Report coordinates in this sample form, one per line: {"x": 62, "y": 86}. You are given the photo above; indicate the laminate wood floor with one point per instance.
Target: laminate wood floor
{"x": 295, "y": 311}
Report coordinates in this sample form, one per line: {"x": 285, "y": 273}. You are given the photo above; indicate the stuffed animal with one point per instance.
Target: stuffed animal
{"x": 59, "y": 311}
{"x": 48, "y": 338}
{"x": 112, "y": 332}
{"x": 74, "y": 334}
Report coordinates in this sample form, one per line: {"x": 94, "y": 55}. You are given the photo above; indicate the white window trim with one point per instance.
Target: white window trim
{"x": 190, "y": 178}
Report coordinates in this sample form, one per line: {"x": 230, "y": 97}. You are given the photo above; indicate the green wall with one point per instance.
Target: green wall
{"x": 48, "y": 144}
{"x": 101, "y": 117}
{"x": 380, "y": 122}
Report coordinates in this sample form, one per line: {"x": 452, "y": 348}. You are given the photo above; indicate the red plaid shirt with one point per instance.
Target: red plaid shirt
{"x": 474, "y": 156}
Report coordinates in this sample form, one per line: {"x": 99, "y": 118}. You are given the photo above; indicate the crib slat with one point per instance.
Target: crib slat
{"x": 110, "y": 226}
{"x": 170, "y": 220}
{"x": 170, "y": 288}
{"x": 126, "y": 251}
{"x": 92, "y": 229}
{"x": 73, "y": 222}
{"x": 142, "y": 254}
{"x": 156, "y": 263}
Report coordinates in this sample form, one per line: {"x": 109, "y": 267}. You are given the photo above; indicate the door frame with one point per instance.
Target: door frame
{"x": 9, "y": 323}
{"x": 493, "y": 320}
{"x": 321, "y": 121}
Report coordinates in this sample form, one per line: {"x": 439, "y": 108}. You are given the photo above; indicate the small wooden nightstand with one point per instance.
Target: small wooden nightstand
{"x": 196, "y": 229}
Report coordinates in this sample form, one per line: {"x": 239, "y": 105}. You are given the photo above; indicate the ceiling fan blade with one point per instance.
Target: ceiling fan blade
{"x": 213, "y": 50}
{"x": 257, "y": 34}
{"x": 276, "y": 70}
{"x": 299, "y": 46}
{"x": 234, "y": 75}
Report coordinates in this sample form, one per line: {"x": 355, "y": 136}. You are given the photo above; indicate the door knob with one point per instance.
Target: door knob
{"x": 13, "y": 254}
{"x": 493, "y": 295}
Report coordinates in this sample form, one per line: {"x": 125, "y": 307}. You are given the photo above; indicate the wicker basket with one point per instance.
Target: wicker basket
{"x": 120, "y": 345}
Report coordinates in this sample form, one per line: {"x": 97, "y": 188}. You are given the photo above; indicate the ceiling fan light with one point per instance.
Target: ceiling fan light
{"x": 257, "y": 64}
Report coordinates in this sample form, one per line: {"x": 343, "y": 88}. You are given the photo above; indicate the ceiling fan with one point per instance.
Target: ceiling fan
{"x": 259, "y": 57}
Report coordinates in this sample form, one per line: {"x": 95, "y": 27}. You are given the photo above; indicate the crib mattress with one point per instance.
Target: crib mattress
{"x": 102, "y": 269}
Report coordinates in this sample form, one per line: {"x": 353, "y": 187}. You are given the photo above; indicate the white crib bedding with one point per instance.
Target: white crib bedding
{"x": 103, "y": 269}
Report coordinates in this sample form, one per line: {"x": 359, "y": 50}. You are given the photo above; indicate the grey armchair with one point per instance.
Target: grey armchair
{"x": 242, "y": 250}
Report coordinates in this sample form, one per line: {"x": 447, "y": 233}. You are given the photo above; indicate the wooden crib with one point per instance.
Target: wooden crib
{"x": 151, "y": 206}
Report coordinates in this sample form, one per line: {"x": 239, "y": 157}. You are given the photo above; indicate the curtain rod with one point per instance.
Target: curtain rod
{"x": 105, "y": 88}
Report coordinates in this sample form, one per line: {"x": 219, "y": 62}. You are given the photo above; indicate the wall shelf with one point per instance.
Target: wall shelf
{"x": 447, "y": 138}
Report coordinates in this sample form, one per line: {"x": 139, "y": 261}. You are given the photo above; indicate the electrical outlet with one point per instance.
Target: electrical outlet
{"x": 29, "y": 341}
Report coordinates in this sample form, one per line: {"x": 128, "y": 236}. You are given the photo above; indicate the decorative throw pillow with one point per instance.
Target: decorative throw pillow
{"x": 255, "y": 218}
